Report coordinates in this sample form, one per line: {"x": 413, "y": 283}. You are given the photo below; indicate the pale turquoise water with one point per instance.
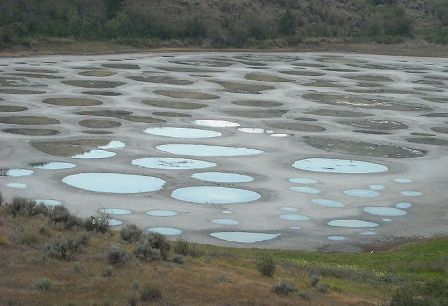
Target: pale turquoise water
{"x": 225, "y": 221}
{"x": 244, "y": 237}
{"x": 215, "y": 195}
{"x": 362, "y": 193}
{"x": 16, "y": 172}
{"x": 289, "y": 209}
{"x": 411, "y": 193}
{"x": 352, "y": 223}
{"x": 376, "y": 187}
{"x": 17, "y": 185}
{"x": 337, "y": 238}
{"x": 403, "y": 180}
{"x": 114, "y": 182}
{"x": 216, "y": 123}
{"x": 48, "y": 202}
{"x": 181, "y": 132}
{"x": 206, "y": 150}
{"x": 161, "y": 213}
{"x": 403, "y": 205}
{"x": 115, "y": 222}
{"x": 305, "y": 190}
{"x": 294, "y": 217}
{"x": 222, "y": 177}
{"x": 302, "y": 180}
{"x": 172, "y": 163}
{"x": 384, "y": 211}
{"x": 330, "y": 165}
{"x": 54, "y": 166}
{"x": 115, "y": 211}
{"x": 327, "y": 203}
{"x": 168, "y": 231}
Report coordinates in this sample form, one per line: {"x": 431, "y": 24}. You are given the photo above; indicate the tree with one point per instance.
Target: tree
{"x": 287, "y": 24}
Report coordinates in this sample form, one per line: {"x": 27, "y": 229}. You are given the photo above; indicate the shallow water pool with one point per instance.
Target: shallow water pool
{"x": 206, "y": 150}
{"x": 215, "y": 195}
{"x": 172, "y": 163}
{"x": 330, "y": 165}
{"x": 114, "y": 182}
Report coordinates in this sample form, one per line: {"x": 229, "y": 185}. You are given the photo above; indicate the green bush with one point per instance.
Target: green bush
{"x": 25, "y": 207}
{"x": 144, "y": 251}
{"x": 116, "y": 255}
{"x": 131, "y": 233}
{"x": 98, "y": 223}
{"x": 266, "y": 265}
{"x": 159, "y": 242}
{"x": 283, "y": 287}
{"x": 43, "y": 283}
{"x": 65, "y": 248}
{"x": 149, "y": 294}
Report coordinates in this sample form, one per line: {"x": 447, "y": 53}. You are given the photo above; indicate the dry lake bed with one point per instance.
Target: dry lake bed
{"x": 279, "y": 150}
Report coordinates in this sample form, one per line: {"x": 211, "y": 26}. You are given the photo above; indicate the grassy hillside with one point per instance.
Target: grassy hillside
{"x": 50, "y": 257}
{"x": 224, "y": 23}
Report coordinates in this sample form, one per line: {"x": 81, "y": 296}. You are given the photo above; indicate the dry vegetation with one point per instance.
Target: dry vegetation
{"x": 50, "y": 257}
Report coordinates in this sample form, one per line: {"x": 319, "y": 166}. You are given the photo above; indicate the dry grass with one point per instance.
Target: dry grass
{"x": 208, "y": 279}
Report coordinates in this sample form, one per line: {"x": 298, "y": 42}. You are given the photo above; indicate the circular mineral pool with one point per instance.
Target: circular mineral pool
{"x": 252, "y": 130}
{"x": 115, "y": 211}
{"x": 172, "y": 163}
{"x": 294, "y": 217}
{"x": 330, "y": 165}
{"x": 385, "y": 211}
{"x": 336, "y": 238}
{"x": 216, "y": 123}
{"x": 222, "y": 177}
{"x": 206, "y": 150}
{"x": 17, "y": 185}
{"x": 403, "y": 205}
{"x": 302, "y": 180}
{"x": 327, "y": 203}
{"x": 305, "y": 190}
{"x": 115, "y": 222}
{"x": 15, "y": 172}
{"x": 94, "y": 154}
{"x": 215, "y": 195}
{"x": 181, "y": 132}
{"x": 225, "y": 222}
{"x": 289, "y": 209}
{"x": 409, "y": 193}
{"x": 244, "y": 237}
{"x": 402, "y": 180}
{"x": 53, "y": 165}
{"x": 48, "y": 202}
{"x": 114, "y": 182}
{"x": 376, "y": 187}
{"x": 353, "y": 223}
{"x": 161, "y": 213}
{"x": 362, "y": 193}
{"x": 279, "y": 135}
{"x": 294, "y": 227}
{"x": 368, "y": 233}
{"x": 167, "y": 231}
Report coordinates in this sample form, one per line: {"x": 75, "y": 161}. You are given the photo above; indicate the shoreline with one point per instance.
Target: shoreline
{"x": 107, "y": 48}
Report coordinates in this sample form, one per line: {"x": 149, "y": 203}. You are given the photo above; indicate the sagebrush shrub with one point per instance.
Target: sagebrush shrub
{"x": 131, "y": 233}
{"x": 116, "y": 255}
{"x": 149, "y": 294}
{"x": 283, "y": 287}
{"x": 266, "y": 265}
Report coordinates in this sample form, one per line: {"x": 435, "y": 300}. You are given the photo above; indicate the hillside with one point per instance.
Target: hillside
{"x": 50, "y": 257}
{"x": 222, "y": 24}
